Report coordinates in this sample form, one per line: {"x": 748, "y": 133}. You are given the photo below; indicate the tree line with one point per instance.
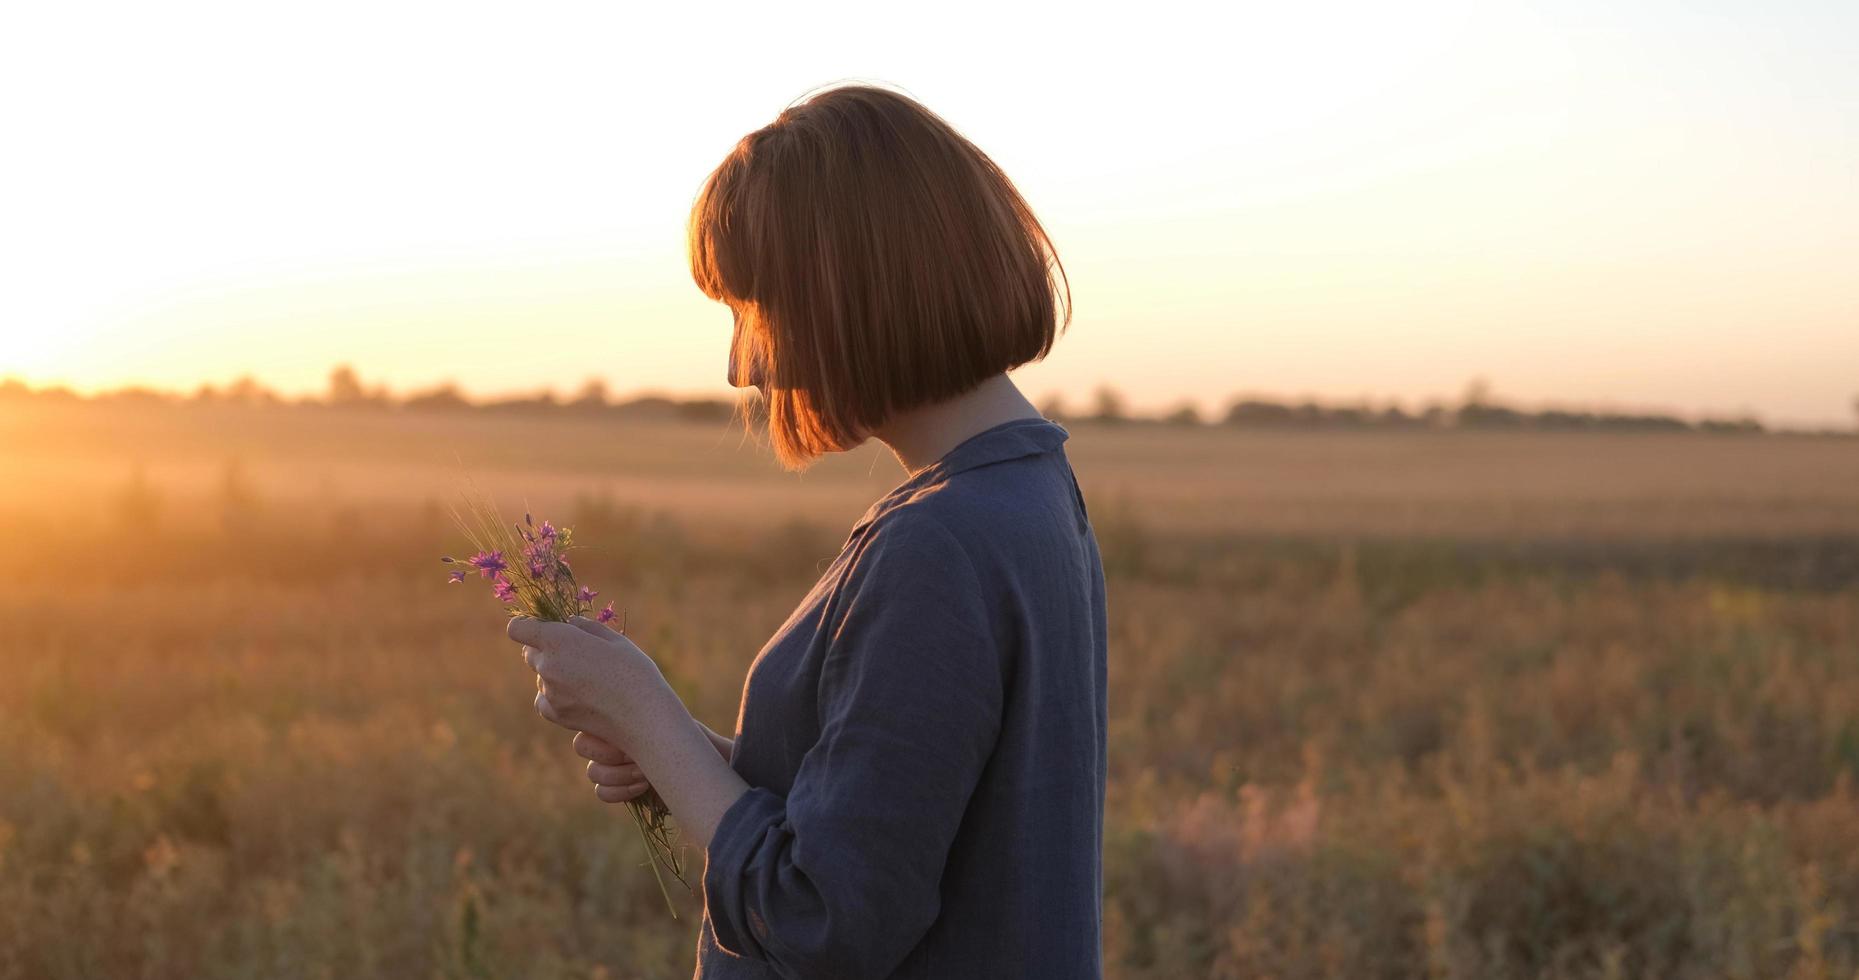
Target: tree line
{"x": 1476, "y": 408}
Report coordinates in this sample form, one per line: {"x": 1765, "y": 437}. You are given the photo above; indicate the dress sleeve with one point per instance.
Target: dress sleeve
{"x": 841, "y": 878}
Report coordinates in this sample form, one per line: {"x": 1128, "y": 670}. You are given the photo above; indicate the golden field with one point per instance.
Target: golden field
{"x": 1431, "y": 704}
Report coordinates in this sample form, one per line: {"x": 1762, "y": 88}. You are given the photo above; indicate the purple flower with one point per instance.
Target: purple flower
{"x": 605, "y": 614}
{"x": 487, "y": 562}
{"x": 586, "y": 595}
{"x": 547, "y": 530}
{"x": 504, "y": 589}
{"x": 456, "y": 577}
{"x": 537, "y": 569}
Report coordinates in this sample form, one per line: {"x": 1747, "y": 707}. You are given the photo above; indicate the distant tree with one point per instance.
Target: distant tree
{"x": 1394, "y": 417}
{"x": 1257, "y": 412}
{"x": 543, "y": 400}
{"x": 1109, "y": 405}
{"x": 1477, "y": 393}
{"x": 134, "y": 395}
{"x": 443, "y": 397}
{"x": 1187, "y": 413}
{"x": 57, "y": 393}
{"x": 347, "y": 391}
{"x": 1349, "y": 416}
{"x": 706, "y": 410}
{"x": 591, "y": 397}
{"x": 1556, "y": 418}
{"x": 345, "y": 387}
{"x": 247, "y": 391}
{"x": 1481, "y": 415}
{"x": 649, "y": 406}
{"x": 1745, "y": 424}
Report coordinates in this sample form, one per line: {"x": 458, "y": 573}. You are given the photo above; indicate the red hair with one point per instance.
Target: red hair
{"x": 879, "y": 261}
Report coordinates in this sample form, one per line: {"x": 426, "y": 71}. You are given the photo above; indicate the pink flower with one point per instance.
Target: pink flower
{"x": 487, "y": 563}
{"x": 504, "y": 589}
{"x": 586, "y": 595}
{"x": 605, "y": 615}
{"x": 456, "y": 577}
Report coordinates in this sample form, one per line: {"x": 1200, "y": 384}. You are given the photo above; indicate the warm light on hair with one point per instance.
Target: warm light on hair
{"x": 879, "y": 260}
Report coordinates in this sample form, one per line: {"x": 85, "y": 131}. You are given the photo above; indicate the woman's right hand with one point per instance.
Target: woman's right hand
{"x": 616, "y": 777}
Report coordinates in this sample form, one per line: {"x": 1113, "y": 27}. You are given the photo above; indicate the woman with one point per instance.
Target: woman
{"x": 916, "y": 783}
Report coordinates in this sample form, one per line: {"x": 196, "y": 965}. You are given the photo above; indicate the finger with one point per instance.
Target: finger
{"x": 545, "y": 709}
{"x": 539, "y": 633}
{"x": 615, "y": 775}
{"x": 620, "y": 794}
{"x": 594, "y": 628}
{"x": 536, "y": 659}
{"x": 524, "y": 629}
{"x": 591, "y": 746}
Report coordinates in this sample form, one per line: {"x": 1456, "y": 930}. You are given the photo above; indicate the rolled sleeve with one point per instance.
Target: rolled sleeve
{"x": 841, "y": 878}
{"x": 738, "y": 835}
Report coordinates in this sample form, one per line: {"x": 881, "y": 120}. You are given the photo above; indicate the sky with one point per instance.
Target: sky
{"x": 1646, "y": 206}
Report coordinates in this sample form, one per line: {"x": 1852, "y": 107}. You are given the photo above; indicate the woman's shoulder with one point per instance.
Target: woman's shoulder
{"x": 1003, "y": 519}
{"x": 915, "y": 538}
{"x": 1004, "y": 501}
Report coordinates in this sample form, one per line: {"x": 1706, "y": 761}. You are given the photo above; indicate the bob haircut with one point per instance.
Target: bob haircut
{"x": 876, "y": 261}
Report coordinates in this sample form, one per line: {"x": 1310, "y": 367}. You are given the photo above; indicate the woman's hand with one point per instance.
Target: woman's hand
{"x": 616, "y": 777}
{"x": 592, "y": 679}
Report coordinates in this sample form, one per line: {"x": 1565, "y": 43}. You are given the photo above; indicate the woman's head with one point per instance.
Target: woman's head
{"x": 875, "y": 261}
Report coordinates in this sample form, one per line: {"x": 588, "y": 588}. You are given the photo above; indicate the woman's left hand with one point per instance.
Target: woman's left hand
{"x": 592, "y": 679}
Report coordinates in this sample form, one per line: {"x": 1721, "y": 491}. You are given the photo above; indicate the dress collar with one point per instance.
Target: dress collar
{"x": 1011, "y": 439}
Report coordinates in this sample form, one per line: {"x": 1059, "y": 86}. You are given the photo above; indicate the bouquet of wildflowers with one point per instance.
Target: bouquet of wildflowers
{"x": 529, "y": 571}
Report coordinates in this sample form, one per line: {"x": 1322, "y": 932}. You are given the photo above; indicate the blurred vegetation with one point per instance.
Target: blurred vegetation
{"x": 279, "y": 744}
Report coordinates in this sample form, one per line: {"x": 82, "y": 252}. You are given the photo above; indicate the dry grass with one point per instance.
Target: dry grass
{"x": 1462, "y": 484}
{"x": 1430, "y": 705}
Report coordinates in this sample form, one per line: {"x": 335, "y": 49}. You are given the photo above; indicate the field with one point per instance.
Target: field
{"x": 1438, "y": 704}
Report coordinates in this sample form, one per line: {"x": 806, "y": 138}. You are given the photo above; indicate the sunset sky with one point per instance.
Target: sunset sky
{"x": 1644, "y": 206}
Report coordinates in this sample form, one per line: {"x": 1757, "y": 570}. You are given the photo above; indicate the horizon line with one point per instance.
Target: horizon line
{"x": 1092, "y": 405}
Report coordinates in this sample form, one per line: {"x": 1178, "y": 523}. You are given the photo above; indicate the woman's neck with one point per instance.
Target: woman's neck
{"x": 923, "y": 435}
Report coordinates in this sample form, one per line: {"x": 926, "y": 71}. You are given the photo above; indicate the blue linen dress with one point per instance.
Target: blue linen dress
{"x": 924, "y": 741}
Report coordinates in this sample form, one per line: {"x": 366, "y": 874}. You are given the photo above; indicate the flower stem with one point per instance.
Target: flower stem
{"x": 652, "y": 857}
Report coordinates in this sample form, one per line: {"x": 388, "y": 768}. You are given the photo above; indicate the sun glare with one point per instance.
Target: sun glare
{"x": 41, "y": 357}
